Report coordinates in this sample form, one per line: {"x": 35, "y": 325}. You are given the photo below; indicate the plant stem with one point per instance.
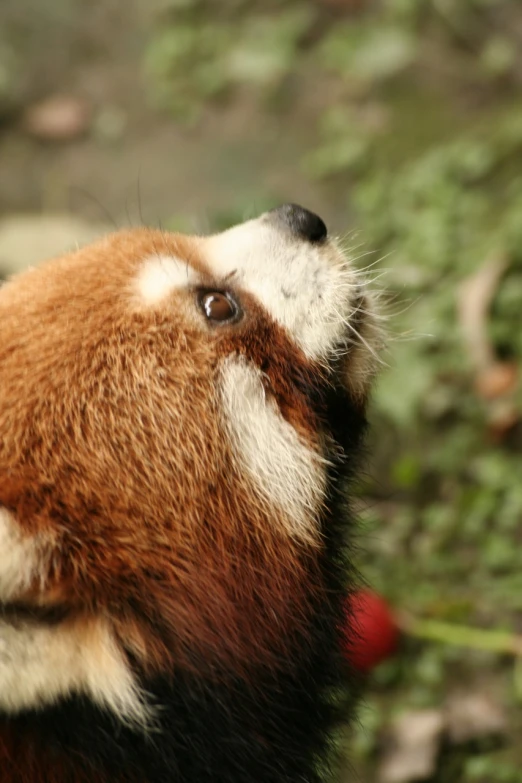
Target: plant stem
{"x": 502, "y": 642}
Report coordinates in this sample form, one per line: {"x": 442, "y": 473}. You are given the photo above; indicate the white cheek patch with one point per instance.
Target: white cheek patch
{"x": 160, "y": 275}
{"x": 41, "y": 664}
{"x": 307, "y": 288}
{"x": 23, "y": 559}
{"x": 288, "y": 473}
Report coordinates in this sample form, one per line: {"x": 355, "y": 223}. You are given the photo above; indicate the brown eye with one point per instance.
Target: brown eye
{"x": 218, "y": 307}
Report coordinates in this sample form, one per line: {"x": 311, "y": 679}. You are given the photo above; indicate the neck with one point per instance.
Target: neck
{"x": 272, "y": 727}
{"x": 228, "y": 731}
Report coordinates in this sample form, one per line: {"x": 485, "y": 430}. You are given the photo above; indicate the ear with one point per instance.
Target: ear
{"x": 43, "y": 661}
{"x": 24, "y": 559}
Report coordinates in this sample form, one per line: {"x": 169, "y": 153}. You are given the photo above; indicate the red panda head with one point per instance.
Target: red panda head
{"x": 165, "y": 446}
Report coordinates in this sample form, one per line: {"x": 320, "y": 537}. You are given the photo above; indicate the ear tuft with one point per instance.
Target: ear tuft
{"x": 24, "y": 558}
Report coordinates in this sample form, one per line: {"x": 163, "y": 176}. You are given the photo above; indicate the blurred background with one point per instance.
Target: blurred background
{"x": 400, "y": 123}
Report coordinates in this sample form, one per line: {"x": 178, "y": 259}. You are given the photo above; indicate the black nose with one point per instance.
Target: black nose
{"x": 302, "y": 222}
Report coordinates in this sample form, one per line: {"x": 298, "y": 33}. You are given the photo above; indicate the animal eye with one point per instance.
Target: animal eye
{"x": 218, "y": 307}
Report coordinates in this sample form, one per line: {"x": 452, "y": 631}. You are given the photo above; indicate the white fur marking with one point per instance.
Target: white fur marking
{"x": 161, "y": 275}
{"x": 286, "y": 471}
{"x": 22, "y": 558}
{"x": 309, "y": 289}
{"x": 40, "y": 664}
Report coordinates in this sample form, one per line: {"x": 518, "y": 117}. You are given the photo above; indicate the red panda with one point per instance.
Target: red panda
{"x": 179, "y": 416}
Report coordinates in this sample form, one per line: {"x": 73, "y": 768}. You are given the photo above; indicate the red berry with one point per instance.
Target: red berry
{"x": 371, "y": 633}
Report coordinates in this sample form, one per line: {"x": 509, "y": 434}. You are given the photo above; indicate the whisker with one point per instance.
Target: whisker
{"x": 358, "y": 335}
{"x": 138, "y": 185}
{"x": 95, "y": 200}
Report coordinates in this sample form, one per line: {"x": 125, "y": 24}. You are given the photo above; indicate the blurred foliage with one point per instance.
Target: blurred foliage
{"x": 419, "y": 132}
{"x": 200, "y": 53}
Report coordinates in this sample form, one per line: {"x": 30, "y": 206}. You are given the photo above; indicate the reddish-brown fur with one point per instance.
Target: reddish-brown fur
{"x": 152, "y": 523}
{"x": 22, "y": 760}
{"x": 162, "y": 567}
